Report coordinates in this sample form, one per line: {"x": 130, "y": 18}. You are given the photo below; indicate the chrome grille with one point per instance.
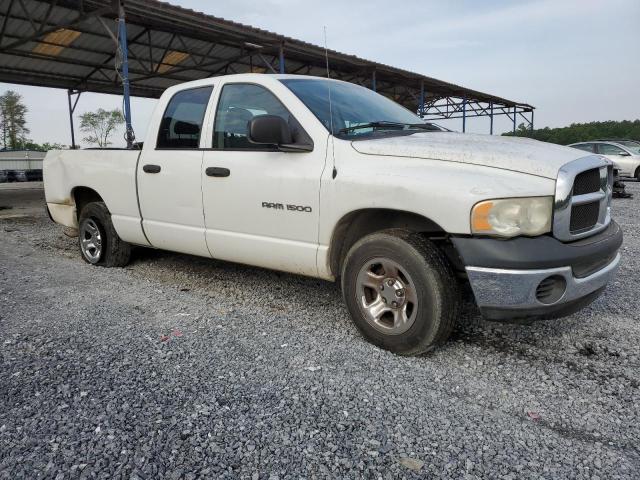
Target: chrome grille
{"x": 583, "y": 198}
{"x": 584, "y": 217}
{"x": 587, "y": 182}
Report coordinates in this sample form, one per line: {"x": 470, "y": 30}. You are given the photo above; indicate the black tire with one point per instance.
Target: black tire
{"x": 114, "y": 251}
{"x": 435, "y": 288}
{"x": 638, "y": 174}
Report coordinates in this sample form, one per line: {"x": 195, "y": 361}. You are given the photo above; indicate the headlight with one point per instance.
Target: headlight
{"x": 510, "y": 217}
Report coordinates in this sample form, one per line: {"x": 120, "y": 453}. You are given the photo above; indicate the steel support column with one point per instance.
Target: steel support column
{"x": 515, "y": 114}
{"x": 373, "y": 81}
{"x": 491, "y": 119}
{"x": 531, "y": 121}
{"x": 281, "y": 59}
{"x": 72, "y": 108}
{"x": 421, "y": 106}
{"x": 122, "y": 37}
{"x": 464, "y": 114}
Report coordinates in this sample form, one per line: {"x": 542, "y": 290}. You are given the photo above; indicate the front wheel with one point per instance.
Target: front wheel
{"x": 400, "y": 291}
{"x": 99, "y": 243}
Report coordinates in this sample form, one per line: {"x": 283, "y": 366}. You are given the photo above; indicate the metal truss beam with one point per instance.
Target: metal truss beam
{"x": 76, "y": 26}
{"x": 41, "y": 32}
{"x": 447, "y": 108}
{"x": 149, "y": 71}
{"x": 242, "y": 50}
{"x": 454, "y": 109}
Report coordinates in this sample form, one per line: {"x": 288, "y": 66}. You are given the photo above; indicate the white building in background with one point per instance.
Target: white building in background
{"x": 21, "y": 160}
{"x": 21, "y": 165}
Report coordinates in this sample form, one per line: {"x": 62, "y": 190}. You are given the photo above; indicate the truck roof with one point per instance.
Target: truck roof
{"x": 252, "y": 77}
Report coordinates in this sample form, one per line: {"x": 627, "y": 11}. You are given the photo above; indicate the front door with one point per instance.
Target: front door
{"x": 170, "y": 176}
{"x": 261, "y": 205}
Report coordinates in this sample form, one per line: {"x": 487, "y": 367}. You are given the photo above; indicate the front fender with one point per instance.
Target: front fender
{"x": 441, "y": 191}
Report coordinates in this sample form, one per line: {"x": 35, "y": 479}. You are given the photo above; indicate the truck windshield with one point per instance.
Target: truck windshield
{"x": 357, "y": 112}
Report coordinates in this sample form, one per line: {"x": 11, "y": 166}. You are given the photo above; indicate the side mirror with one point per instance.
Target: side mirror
{"x": 269, "y": 130}
{"x": 624, "y": 154}
{"x": 274, "y": 130}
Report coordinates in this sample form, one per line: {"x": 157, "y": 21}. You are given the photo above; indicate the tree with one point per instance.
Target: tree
{"x": 523, "y": 130}
{"x": 99, "y": 125}
{"x": 583, "y": 132}
{"x": 13, "y": 119}
{"x": 44, "y": 147}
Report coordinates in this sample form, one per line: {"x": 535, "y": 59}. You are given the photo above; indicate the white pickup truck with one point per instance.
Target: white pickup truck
{"x": 329, "y": 179}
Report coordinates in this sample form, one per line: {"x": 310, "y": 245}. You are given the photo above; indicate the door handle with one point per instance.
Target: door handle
{"x": 217, "y": 172}
{"x": 151, "y": 168}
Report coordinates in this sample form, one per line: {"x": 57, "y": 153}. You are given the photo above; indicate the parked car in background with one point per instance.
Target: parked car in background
{"x": 20, "y": 176}
{"x": 622, "y": 141}
{"x": 625, "y": 154}
{"x": 33, "y": 175}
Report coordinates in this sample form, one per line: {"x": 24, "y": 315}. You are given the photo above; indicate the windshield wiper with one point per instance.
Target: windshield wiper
{"x": 384, "y": 123}
{"x": 426, "y": 126}
{"x": 378, "y": 124}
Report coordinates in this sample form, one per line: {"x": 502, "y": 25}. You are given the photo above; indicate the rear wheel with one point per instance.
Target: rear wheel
{"x": 638, "y": 174}
{"x": 99, "y": 243}
{"x": 400, "y": 291}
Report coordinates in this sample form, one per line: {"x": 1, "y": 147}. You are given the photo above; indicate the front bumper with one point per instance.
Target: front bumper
{"x": 512, "y": 294}
{"x": 506, "y": 279}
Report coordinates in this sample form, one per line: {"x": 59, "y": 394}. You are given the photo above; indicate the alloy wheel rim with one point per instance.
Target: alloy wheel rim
{"x": 91, "y": 241}
{"x": 387, "y": 296}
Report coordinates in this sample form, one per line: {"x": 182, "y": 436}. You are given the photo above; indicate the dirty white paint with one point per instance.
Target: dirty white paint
{"x": 438, "y": 175}
{"x": 510, "y": 153}
{"x": 63, "y": 214}
{"x": 443, "y": 192}
{"x": 110, "y": 173}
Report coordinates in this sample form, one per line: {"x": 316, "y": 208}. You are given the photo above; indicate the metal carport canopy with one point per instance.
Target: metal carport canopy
{"x": 73, "y": 44}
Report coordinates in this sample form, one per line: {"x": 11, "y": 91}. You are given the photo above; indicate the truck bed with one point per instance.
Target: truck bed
{"x": 110, "y": 173}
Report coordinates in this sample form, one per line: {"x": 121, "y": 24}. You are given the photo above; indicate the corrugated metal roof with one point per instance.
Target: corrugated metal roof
{"x": 170, "y": 44}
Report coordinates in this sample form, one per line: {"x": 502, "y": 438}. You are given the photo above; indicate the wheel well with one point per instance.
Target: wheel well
{"x": 637, "y": 173}
{"x": 84, "y": 195}
{"x": 356, "y": 225}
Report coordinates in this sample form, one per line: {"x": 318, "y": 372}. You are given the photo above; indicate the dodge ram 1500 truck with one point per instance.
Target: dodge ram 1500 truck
{"x": 329, "y": 179}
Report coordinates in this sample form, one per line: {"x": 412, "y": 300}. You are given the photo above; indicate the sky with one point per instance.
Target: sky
{"x": 574, "y": 60}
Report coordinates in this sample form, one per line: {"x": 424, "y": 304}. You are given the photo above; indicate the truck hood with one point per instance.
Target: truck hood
{"x": 508, "y": 153}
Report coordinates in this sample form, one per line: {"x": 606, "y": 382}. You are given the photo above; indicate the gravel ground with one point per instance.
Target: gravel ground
{"x": 181, "y": 367}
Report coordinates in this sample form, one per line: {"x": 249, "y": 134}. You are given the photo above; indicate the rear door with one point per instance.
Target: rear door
{"x": 261, "y": 205}
{"x": 617, "y": 155}
{"x": 170, "y": 176}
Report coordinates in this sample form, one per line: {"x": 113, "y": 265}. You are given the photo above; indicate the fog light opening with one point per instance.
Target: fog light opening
{"x": 551, "y": 289}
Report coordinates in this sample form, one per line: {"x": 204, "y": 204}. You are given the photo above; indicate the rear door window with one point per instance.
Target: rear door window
{"x": 182, "y": 120}
{"x": 587, "y": 147}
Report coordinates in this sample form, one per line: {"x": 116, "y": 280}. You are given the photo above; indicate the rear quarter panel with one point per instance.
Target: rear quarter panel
{"x": 111, "y": 173}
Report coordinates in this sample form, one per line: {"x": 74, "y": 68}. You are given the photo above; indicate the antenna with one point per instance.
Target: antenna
{"x": 326, "y": 57}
